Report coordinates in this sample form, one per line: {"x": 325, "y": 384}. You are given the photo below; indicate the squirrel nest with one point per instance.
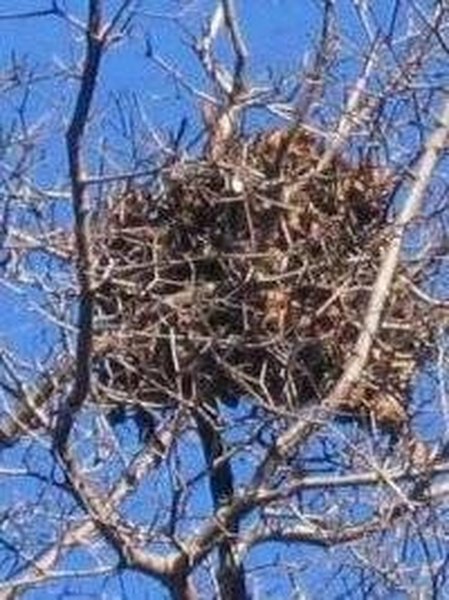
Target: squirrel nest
{"x": 249, "y": 277}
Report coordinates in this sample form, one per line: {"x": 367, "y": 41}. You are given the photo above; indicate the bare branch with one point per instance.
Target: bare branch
{"x": 80, "y": 199}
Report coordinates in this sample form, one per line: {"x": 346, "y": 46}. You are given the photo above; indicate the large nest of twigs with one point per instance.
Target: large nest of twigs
{"x": 249, "y": 276}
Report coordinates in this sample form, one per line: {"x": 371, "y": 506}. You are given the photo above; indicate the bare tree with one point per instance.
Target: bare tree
{"x": 223, "y": 363}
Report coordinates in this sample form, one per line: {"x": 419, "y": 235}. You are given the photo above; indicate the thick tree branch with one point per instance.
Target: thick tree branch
{"x": 26, "y": 419}
{"x": 80, "y": 199}
{"x": 231, "y": 577}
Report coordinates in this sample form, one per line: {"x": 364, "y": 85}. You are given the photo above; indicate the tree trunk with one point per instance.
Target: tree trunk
{"x": 230, "y": 574}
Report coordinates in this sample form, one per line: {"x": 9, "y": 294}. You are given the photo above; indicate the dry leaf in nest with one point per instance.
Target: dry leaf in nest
{"x": 382, "y": 407}
{"x": 388, "y": 411}
{"x": 290, "y": 152}
{"x": 277, "y": 309}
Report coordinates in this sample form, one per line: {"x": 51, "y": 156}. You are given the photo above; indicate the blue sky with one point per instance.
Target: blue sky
{"x": 279, "y": 35}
